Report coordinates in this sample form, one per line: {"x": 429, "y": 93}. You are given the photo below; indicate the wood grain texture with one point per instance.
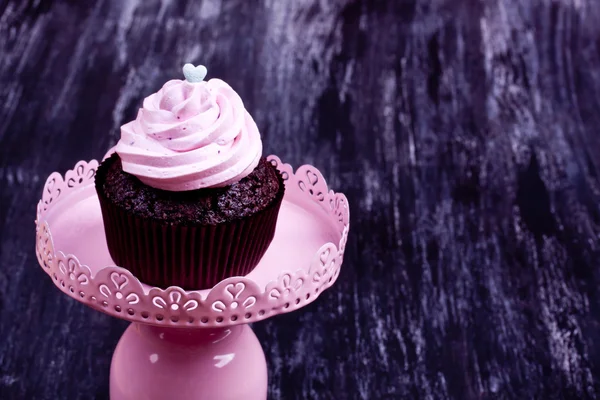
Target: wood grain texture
{"x": 464, "y": 133}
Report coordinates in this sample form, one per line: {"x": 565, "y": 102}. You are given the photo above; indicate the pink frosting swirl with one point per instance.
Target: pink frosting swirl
{"x": 190, "y": 136}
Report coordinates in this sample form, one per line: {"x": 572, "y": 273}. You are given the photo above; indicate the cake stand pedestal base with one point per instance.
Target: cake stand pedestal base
{"x": 157, "y": 363}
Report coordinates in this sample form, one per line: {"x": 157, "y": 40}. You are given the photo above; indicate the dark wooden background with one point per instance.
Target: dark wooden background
{"x": 465, "y": 134}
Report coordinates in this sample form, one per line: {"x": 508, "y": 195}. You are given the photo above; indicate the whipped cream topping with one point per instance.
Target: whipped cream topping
{"x": 191, "y": 135}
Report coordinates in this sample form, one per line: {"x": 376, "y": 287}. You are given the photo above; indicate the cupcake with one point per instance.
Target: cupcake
{"x": 187, "y": 198}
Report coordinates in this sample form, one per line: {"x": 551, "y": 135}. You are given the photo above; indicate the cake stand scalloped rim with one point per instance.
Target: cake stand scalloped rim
{"x": 236, "y": 300}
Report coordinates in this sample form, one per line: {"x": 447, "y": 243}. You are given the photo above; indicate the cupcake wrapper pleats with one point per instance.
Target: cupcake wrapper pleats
{"x": 190, "y": 256}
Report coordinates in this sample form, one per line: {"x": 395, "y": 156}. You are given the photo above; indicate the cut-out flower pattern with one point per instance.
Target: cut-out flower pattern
{"x": 52, "y": 189}
{"x": 234, "y": 298}
{"x": 175, "y": 300}
{"x": 44, "y": 249}
{"x": 339, "y": 207}
{"x": 119, "y": 283}
{"x": 286, "y": 287}
{"x": 72, "y": 270}
{"x": 82, "y": 172}
{"x": 326, "y": 265}
{"x": 286, "y": 170}
{"x": 312, "y": 185}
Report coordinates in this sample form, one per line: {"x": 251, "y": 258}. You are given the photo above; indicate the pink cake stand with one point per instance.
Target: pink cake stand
{"x": 186, "y": 344}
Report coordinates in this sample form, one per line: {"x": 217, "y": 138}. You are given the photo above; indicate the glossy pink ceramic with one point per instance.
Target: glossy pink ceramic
{"x": 153, "y": 362}
{"x": 192, "y": 344}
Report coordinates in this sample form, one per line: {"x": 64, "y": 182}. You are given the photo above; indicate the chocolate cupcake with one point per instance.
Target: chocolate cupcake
{"x": 187, "y": 199}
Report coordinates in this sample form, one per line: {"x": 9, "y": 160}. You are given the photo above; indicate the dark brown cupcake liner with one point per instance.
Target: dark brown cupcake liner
{"x": 190, "y": 256}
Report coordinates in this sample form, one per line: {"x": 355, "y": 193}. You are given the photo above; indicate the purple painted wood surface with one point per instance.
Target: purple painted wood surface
{"x": 465, "y": 134}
